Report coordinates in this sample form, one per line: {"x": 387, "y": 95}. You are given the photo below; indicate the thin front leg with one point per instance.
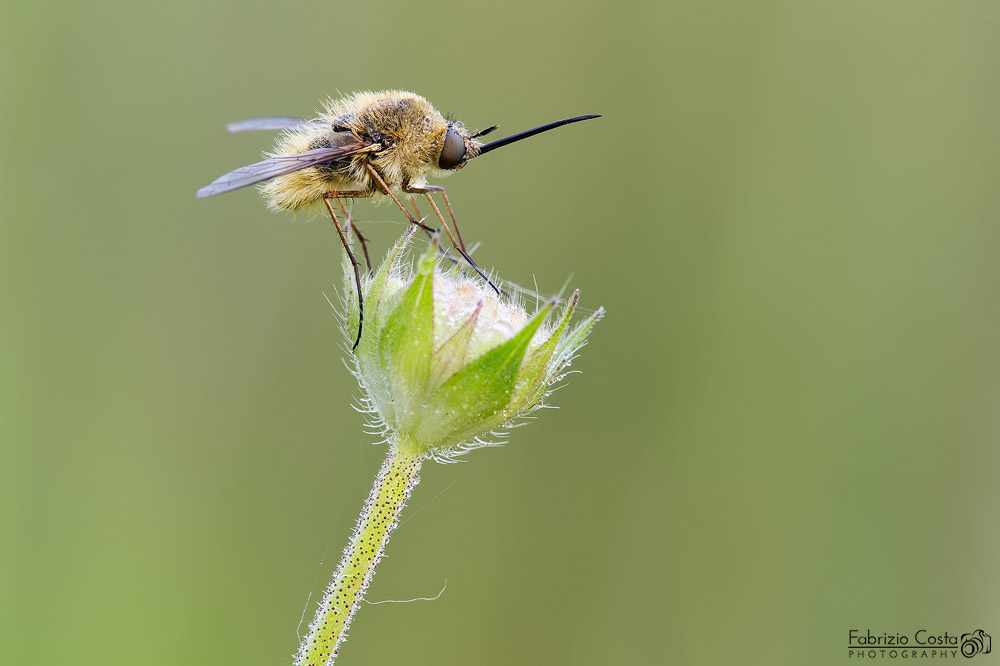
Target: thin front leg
{"x": 437, "y": 243}
{"x": 354, "y": 262}
{"x": 416, "y": 210}
{"x": 451, "y": 213}
{"x": 426, "y": 191}
{"x": 413, "y": 202}
{"x": 388, "y": 190}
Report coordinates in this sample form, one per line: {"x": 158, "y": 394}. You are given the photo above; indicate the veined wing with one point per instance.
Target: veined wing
{"x": 280, "y": 166}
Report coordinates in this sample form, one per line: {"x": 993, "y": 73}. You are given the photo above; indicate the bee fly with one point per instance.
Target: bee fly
{"x": 366, "y": 144}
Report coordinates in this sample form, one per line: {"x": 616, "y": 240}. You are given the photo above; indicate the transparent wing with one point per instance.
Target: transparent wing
{"x": 279, "y": 166}
{"x": 269, "y": 123}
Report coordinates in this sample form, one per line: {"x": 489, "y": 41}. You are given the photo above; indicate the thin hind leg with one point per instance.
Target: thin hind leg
{"x": 350, "y": 255}
{"x": 350, "y": 225}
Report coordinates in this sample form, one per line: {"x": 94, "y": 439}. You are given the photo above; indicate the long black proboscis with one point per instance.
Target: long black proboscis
{"x": 500, "y": 143}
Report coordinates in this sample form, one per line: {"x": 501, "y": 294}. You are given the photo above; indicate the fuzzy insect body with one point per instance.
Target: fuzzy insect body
{"x": 363, "y": 145}
{"x": 400, "y": 134}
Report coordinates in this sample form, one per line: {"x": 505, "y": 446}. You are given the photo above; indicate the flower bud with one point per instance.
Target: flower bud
{"x": 444, "y": 363}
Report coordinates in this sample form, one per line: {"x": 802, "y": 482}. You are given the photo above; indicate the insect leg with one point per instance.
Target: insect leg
{"x": 413, "y": 202}
{"x": 357, "y": 232}
{"x": 388, "y": 190}
{"x": 451, "y": 213}
{"x": 426, "y": 191}
{"x": 444, "y": 252}
{"x": 354, "y": 262}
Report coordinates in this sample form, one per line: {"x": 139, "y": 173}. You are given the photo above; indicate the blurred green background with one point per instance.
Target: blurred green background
{"x": 785, "y": 429}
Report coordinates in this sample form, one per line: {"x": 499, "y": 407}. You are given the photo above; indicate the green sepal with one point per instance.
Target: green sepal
{"x": 535, "y": 372}
{"x": 478, "y": 392}
{"x": 407, "y": 340}
{"x": 570, "y": 344}
{"x": 379, "y": 298}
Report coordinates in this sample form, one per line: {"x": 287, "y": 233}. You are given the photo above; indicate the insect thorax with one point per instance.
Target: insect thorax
{"x": 409, "y": 130}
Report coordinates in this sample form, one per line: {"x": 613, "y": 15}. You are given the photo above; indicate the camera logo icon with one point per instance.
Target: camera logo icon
{"x": 978, "y": 642}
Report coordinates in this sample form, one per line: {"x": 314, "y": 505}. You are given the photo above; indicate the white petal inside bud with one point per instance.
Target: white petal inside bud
{"x": 457, "y": 298}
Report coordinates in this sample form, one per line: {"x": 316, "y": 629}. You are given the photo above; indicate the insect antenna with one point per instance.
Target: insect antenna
{"x": 484, "y": 132}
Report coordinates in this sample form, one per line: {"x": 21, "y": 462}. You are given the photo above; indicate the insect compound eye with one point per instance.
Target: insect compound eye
{"x": 453, "y": 151}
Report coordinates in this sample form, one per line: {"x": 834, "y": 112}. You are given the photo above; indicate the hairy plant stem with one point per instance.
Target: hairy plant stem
{"x": 379, "y": 517}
